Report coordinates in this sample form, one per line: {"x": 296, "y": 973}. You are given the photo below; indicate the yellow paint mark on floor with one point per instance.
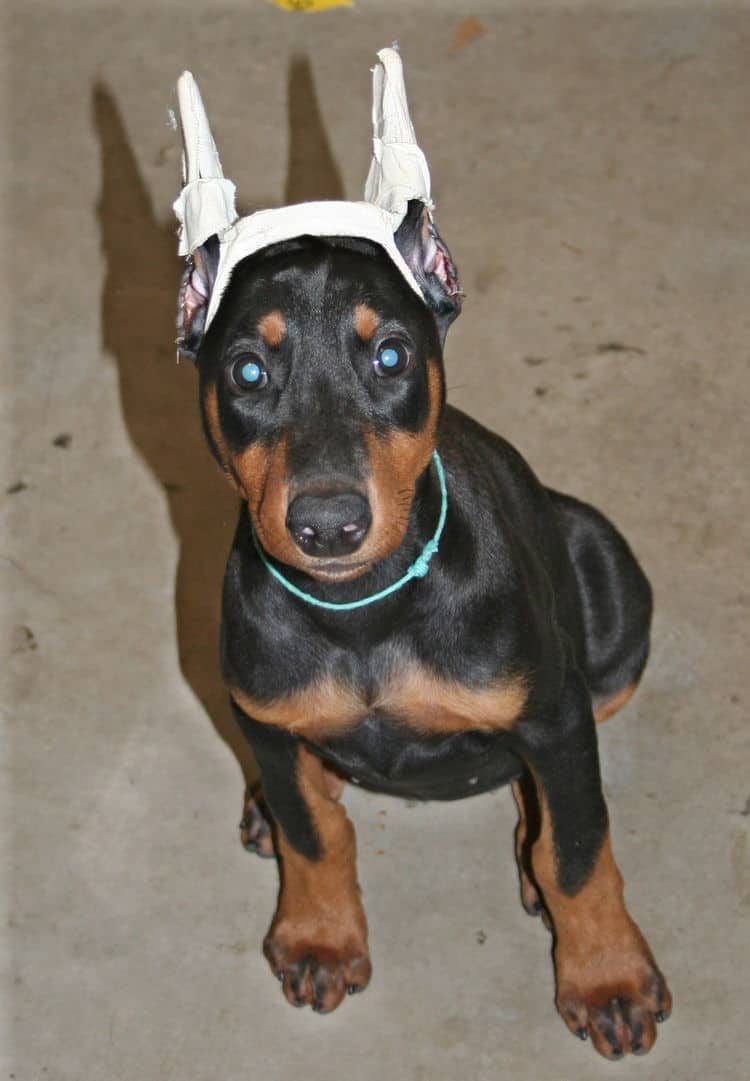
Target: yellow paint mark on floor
{"x": 311, "y": 5}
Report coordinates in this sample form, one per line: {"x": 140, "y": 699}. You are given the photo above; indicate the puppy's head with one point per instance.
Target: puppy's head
{"x": 322, "y": 387}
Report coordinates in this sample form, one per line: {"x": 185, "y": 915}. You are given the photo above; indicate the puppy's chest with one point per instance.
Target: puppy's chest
{"x": 412, "y": 734}
{"x": 412, "y": 698}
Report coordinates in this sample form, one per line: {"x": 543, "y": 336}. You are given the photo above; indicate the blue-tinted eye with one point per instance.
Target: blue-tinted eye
{"x": 249, "y": 374}
{"x": 392, "y": 357}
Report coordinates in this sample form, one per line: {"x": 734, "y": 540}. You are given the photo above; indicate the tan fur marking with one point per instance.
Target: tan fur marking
{"x": 596, "y": 901}
{"x": 211, "y": 405}
{"x": 211, "y": 408}
{"x": 604, "y": 710}
{"x": 313, "y": 712}
{"x": 415, "y": 697}
{"x": 600, "y": 954}
{"x": 318, "y": 938}
{"x": 366, "y": 321}
{"x": 261, "y": 472}
{"x": 430, "y": 704}
{"x": 395, "y": 464}
{"x": 272, "y": 328}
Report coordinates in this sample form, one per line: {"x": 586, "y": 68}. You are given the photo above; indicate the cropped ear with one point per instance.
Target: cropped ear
{"x": 431, "y": 264}
{"x": 196, "y": 286}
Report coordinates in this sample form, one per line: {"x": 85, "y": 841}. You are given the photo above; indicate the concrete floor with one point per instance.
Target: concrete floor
{"x": 591, "y": 166}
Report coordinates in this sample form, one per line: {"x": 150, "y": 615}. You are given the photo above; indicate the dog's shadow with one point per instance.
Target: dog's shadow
{"x": 159, "y": 400}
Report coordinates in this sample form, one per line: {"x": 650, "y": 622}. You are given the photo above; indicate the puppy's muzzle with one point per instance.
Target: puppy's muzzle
{"x": 326, "y": 525}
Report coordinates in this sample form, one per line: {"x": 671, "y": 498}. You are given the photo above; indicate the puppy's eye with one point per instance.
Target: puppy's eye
{"x": 248, "y": 373}
{"x": 392, "y": 357}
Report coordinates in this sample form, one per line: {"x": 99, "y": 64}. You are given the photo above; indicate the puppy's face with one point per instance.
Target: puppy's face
{"x": 321, "y": 391}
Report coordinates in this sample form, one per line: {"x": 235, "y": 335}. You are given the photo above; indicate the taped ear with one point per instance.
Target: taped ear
{"x": 205, "y": 210}
{"x": 196, "y": 286}
{"x": 429, "y": 260}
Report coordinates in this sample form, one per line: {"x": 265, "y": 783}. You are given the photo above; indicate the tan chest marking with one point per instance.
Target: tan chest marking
{"x": 318, "y": 710}
{"x": 433, "y": 705}
{"x": 415, "y": 697}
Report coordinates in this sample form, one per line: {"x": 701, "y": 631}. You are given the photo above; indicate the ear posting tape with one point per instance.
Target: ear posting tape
{"x": 398, "y": 174}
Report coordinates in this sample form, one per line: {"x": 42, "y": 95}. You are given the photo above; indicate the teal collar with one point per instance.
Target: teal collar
{"x": 418, "y": 569}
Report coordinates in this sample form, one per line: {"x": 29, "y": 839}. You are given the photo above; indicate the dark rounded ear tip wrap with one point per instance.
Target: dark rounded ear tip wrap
{"x": 431, "y": 263}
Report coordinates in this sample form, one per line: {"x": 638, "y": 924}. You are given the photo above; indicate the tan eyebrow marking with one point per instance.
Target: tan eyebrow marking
{"x": 272, "y": 328}
{"x": 366, "y": 321}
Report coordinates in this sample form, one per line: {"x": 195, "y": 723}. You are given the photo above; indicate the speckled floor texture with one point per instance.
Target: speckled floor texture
{"x": 591, "y": 167}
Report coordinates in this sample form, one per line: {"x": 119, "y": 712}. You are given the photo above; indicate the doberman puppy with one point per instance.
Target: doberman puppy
{"x": 323, "y": 400}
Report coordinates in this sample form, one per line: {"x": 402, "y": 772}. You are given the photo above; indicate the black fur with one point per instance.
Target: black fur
{"x": 527, "y": 583}
{"x": 276, "y": 753}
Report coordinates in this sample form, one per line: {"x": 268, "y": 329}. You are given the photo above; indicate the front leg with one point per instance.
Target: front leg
{"x": 608, "y": 984}
{"x": 317, "y": 943}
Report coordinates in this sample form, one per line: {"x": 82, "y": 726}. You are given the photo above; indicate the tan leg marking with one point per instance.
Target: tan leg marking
{"x": 317, "y": 944}
{"x": 608, "y": 984}
{"x": 256, "y": 826}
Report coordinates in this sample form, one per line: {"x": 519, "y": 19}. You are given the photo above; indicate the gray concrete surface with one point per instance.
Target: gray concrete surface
{"x": 591, "y": 166}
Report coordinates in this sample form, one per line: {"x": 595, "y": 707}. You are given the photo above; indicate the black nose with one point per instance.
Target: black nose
{"x": 329, "y": 525}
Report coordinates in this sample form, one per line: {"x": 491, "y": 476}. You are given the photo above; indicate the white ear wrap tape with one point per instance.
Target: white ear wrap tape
{"x": 398, "y": 173}
{"x": 399, "y": 170}
{"x": 205, "y": 206}
{"x": 267, "y": 227}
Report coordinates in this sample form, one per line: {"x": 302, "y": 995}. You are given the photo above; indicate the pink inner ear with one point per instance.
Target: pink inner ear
{"x": 436, "y": 257}
{"x": 438, "y": 262}
{"x": 193, "y": 294}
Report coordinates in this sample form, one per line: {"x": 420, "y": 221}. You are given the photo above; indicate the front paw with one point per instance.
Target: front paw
{"x": 617, "y": 1001}
{"x": 317, "y": 974}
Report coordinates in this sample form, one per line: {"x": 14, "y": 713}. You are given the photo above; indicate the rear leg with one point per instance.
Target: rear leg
{"x": 615, "y": 603}
{"x": 604, "y": 708}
